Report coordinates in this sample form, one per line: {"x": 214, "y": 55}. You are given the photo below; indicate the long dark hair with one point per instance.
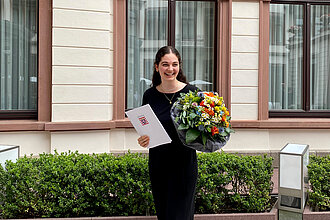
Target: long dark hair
{"x": 156, "y": 80}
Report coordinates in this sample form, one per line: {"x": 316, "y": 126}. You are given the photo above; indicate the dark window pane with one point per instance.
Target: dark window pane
{"x": 194, "y": 38}
{"x": 18, "y": 55}
{"x": 146, "y": 33}
{"x": 286, "y": 57}
{"x": 320, "y": 57}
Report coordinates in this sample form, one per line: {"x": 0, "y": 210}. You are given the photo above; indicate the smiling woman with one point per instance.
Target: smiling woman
{"x": 173, "y": 166}
{"x": 168, "y": 68}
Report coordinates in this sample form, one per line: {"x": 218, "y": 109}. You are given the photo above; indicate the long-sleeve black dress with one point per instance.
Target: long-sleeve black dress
{"x": 172, "y": 167}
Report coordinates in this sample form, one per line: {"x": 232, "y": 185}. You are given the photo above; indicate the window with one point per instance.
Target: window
{"x": 18, "y": 59}
{"x": 190, "y": 26}
{"x": 299, "y": 59}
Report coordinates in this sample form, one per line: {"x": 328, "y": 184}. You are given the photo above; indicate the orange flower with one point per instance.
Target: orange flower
{"x": 202, "y": 103}
{"x": 214, "y": 130}
{"x": 226, "y": 112}
{"x": 227, "y": 124}
{"x": 210, "y": 94}
{"x": 209, "y": 111}
{"x": 212, "y": 104}
{"x": 224, "y": 118}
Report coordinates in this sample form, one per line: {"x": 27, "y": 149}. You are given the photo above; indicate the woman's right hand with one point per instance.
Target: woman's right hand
{"x": 144, "y": 141}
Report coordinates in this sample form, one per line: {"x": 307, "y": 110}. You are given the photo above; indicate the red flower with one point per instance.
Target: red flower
{"x": 214, "y": 130}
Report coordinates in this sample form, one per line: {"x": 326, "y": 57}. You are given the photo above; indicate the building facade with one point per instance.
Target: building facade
{"x": 70, "y": 69}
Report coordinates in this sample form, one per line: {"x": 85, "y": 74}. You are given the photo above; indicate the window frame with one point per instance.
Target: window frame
{"x": 223, "y": 61}
{"x": 21, "y": 114}
{"x": 171, "y": 28}
{"x": 20, "y": 123}
{"x": 306, "y": 112}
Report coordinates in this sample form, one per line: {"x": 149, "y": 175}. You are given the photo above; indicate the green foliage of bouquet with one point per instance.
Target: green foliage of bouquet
{"x": 203, "y": 117}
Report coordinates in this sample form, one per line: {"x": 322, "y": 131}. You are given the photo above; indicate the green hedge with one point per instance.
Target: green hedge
{"x": 77, "y": 185}
{"x": 319, "y": 178}
{"x": 232, "y": 183}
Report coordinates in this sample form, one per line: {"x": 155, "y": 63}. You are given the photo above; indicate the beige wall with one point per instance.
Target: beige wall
{"x": 29, "y": 142}
{"x": 82, "y": 60}
{"x": 275, "y": 139}
{"x": 244, "y": 60}
{"x": 82, "y": 141}
{"x": 82, "y": 78}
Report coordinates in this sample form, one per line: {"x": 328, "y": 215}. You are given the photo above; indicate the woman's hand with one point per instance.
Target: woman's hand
{"x": 144, "y": 141}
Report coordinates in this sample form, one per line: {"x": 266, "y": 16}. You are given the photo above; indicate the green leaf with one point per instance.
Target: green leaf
{"x": 192, "y": 115}
{"x": 204, "y": 138}
{"x": 223, "y": 134}
{"x": 196, "y": 99}
{"x": 183, "y": 127}
{"x": 192, "y": 135}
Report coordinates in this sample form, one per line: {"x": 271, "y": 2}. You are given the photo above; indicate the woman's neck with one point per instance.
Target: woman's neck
{"x": 170, "y": 87}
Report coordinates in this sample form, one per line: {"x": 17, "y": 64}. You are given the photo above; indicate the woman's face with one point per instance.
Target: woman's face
{"x": 168, "y": 67}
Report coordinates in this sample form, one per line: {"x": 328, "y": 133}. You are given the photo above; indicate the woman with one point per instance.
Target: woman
{"x": 172, "y": 167}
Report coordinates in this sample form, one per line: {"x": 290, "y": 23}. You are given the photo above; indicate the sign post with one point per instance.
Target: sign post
{"x": 293, "y": 181}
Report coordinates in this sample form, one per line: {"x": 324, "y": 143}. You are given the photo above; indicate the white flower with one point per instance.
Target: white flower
{"x": 186, "y": 106}
{"x": 213, "y": 99}
{"x": 215, "y": 120}
{"x": 205, "y": 116}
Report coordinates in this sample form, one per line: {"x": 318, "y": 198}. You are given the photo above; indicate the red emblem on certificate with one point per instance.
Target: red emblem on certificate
{"x": 143, "y": 120}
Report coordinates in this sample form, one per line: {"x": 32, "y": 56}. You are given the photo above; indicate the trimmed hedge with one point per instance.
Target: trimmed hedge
{"x": 232, "y": 183}
{"x": 319, "y": 178}
{"x": 81, "y": 185}
{"x": 75, "y": 185}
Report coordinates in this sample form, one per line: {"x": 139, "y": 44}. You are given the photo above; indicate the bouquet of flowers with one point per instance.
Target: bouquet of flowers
{"x": 202, "y": 120}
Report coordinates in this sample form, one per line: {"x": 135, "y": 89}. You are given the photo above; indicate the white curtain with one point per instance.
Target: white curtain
{"x": 147, "y": 31}
{"x": 320, "y": 57}
{"x": 285, "y": 57}
{"x": 18, "y": 54}
{"x": 194, "y": 38}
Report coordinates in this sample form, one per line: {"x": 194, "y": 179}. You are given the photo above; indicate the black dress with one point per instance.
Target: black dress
{"x": 172, "y": 167}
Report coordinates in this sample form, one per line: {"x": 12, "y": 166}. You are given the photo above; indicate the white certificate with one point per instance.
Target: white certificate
{"x": 146, "y": 122}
